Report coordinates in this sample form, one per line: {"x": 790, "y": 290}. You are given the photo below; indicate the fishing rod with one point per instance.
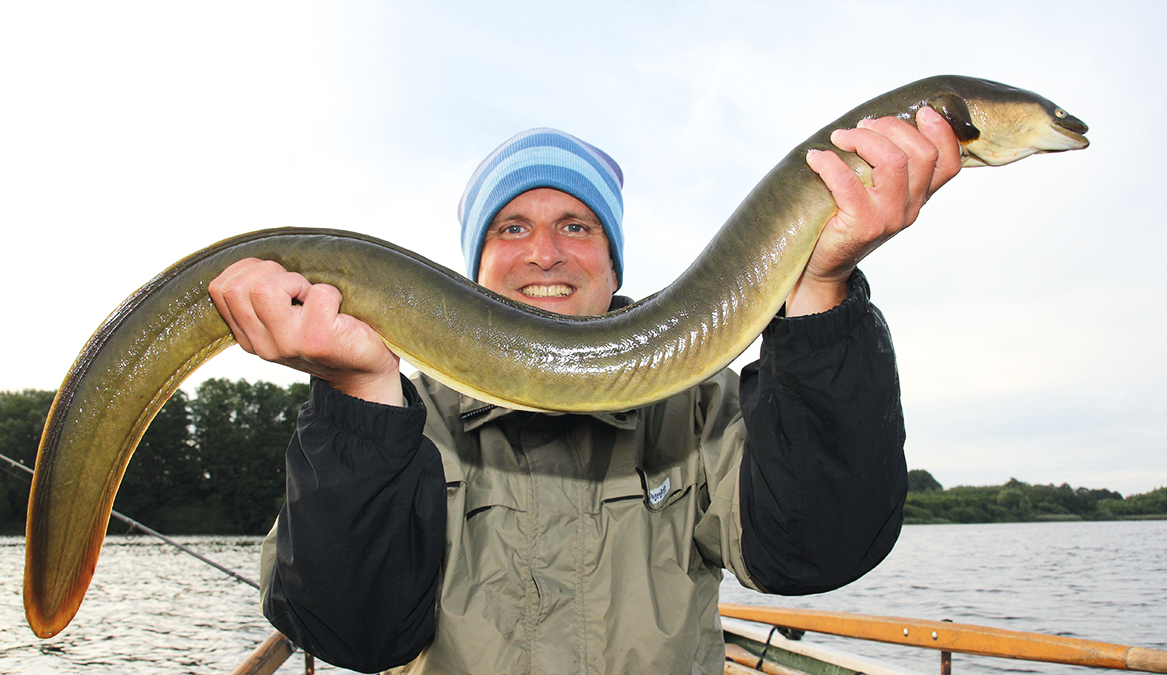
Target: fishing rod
{"x": 154, "y": 533}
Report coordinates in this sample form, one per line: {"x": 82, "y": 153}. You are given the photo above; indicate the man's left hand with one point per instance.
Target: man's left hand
{"x": 908, "y": 165}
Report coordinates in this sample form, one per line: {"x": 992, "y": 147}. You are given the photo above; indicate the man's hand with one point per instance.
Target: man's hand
{"x": 281, "y": 317}
{"x": 908, "y": 165}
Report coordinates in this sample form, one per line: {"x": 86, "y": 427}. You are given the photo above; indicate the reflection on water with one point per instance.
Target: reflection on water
{"x": 154, "y": 609}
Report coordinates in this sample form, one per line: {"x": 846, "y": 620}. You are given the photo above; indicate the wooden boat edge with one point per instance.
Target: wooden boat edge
{"x": 738, "y": 631}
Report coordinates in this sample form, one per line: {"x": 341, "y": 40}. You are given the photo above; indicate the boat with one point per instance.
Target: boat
{"x": 752, "y": 648}
{"x": 747, "y": 653}
{"x": 945, "y": 637}
{"x": 763, "y": 639}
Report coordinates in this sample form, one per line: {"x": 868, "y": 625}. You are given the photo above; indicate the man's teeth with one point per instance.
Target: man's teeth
{"x": 552, "y": 291}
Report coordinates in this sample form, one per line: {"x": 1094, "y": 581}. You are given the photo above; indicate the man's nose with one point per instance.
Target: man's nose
{"x": 545, "y": 250}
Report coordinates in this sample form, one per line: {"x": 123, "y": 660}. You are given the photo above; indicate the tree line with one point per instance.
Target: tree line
{"x": 212, "y": 464}
{"x": 1018, "y": 502}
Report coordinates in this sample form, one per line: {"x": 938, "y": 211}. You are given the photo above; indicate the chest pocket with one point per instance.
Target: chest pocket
{"x": 486, "y": 489}
{"x": 658, "y": 480}
{"x": 488, "y": 479}
{"x": 656, "y": 489}
{"x": 664, "y": 487}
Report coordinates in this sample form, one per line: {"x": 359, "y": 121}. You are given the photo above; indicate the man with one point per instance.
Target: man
{"x": 424, "y": 526}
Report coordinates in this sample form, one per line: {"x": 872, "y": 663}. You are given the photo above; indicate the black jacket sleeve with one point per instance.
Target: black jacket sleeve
{"x": 361, "y": 536}
{"x": 823, "y": 476}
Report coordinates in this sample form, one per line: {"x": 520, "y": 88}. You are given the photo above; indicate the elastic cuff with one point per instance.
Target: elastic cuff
{"x": 362, "y": 418}
{"x": 816, "y": 331}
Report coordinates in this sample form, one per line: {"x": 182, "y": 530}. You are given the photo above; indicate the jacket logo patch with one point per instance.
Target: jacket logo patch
{"x": 658, "y": 495}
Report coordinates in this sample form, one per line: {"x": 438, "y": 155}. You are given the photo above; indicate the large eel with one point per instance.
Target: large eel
{"x": 470, "y": 338}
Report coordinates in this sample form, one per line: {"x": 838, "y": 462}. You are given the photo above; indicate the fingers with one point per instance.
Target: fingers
{"x": 275, "y": 321}
{"x": 902, "y": 161}
{"x": 930, "y": 148}
{"x": 312, "y": 327}
{"x": 908, "y": 165}
{"x": 225, "y": 293}
{"x": 937, "y": 130}
{"x": 258, "y": 300}
{"x": 908, "y": 160}
{"x": 848, "y": 191}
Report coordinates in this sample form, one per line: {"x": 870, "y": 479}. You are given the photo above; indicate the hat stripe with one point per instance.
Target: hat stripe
{"x": 553, "y": 160}
{"x": 605, "y": 165}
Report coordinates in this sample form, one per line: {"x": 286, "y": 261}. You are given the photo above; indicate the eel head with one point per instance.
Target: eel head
{"x": 998, "y": 124}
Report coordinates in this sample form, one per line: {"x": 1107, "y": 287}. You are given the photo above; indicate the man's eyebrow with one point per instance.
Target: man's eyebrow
{"x": 571, "y": 215}
{"x": 512, "y": 218}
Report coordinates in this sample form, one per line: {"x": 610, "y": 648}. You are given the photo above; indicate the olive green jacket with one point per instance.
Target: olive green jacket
{"x": 583, "y": 543}
{"x": 586, "y": 543}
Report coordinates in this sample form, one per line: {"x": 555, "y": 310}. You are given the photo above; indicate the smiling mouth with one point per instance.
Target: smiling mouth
{"x": 549, "y": 291}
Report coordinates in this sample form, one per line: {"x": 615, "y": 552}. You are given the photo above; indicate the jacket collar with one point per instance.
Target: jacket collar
{"x": 475, "y": 413}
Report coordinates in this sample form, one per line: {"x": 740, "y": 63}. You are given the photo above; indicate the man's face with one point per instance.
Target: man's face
{"x": 547, "y": 249}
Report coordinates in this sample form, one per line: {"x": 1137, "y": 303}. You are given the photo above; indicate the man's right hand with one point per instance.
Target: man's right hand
{"x": 281, "y": 317}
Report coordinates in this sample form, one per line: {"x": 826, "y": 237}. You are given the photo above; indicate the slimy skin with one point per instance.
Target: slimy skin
{"x": 472, "y": 339}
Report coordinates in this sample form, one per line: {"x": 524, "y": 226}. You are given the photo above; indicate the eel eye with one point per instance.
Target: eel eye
{"x": 1059, "y": 113}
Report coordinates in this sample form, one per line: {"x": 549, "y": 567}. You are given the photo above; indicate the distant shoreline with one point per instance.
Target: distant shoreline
{"x": 928, "y": 502}
{"x": 1047, "y": 519}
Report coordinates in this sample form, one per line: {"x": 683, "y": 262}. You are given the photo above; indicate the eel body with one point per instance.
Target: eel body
{"x": 475, "y": 341}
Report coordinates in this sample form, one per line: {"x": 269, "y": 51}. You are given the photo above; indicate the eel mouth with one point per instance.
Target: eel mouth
{"x": 1063, "y": 132}
{"x": 1072, "y": 128}
{"x": 1077, "y": 141}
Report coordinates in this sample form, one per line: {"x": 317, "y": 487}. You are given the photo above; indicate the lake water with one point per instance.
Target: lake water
{"x": 1102, "y": 581}
{"x": 154, "y": 609}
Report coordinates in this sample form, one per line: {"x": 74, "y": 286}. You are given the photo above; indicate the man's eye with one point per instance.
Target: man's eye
{"x": 513, "y": 229}
{"x": 575, "y": 228}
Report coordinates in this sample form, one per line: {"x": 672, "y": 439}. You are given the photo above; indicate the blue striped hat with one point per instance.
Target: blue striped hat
{"x": 543, "y": 158}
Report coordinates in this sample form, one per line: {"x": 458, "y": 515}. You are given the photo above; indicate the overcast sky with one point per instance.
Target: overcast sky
{"x": 1026, "y": 302}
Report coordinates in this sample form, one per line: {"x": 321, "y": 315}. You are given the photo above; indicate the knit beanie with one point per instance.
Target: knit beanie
{"x": 543, "y": 158}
